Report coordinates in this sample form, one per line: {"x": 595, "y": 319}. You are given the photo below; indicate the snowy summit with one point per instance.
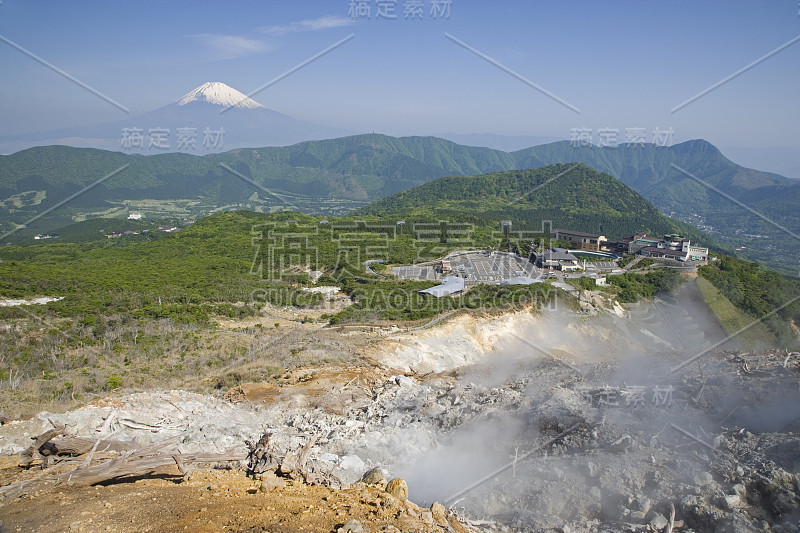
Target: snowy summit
{"x": 215, "y": 92}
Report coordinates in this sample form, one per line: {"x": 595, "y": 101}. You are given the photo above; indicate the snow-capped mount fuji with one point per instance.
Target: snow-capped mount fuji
{"x": 216, "y": 92}
{"x": 193, "y": 124}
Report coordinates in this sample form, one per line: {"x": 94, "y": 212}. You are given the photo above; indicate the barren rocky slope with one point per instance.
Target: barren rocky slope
{"x": 524, "y": 423}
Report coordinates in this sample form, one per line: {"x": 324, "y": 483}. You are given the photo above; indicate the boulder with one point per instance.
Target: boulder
{"x": 659, "y": 521}
{"x": 374, "y": 476}
{"x": 351, "y": 468}
{"x": 703, "y": 478}
{"x": 398, "y": 488}
{"x": 643, "y": 503}
{"x": 288, "y": 464}
{"x": 439, "y": 513}
{"x": 270, "y": 481}
{"x": 732, "y": 501}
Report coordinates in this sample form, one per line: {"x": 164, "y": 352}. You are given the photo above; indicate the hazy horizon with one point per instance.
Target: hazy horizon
{"x": 624, "y": 66}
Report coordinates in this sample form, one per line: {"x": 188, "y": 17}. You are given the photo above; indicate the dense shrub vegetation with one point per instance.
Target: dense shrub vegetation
{"x": 761, "y": 293}
{"x": 632, "y": 286}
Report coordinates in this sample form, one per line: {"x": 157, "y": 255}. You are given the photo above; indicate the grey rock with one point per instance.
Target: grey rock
{"x": 732, "y": 501}
{"x": 288, "y": 464}
{"x": 351, "y": 526}
{"x": 351, "y": 468}
{"x": 351, "y": 462}
{"x": 330, "y": 458}
{"x": 374, "y": 476}
{"x": 703, "y": 479}
{"x": 785, "y": 502}
{"x": 404, "y": 382}
{"x": 659, "y": 521}
{"x": 643, "y": 504}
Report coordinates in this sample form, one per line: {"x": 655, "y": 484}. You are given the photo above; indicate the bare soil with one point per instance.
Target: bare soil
{"x": 209, "y": 501}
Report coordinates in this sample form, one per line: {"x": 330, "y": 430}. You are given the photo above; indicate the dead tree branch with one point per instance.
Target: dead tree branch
{"x": 134, "y": 463}
{"x": 39, "y": 449}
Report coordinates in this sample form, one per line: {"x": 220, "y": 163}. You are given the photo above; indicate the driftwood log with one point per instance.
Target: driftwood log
{"x": 132, "y": 463}
{"x": 80, "y": 445}
{"x": 47, "y": 446}
{"x": 39, "y": 449}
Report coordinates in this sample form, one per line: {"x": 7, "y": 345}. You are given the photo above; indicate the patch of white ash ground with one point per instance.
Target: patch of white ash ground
{"x": 206, "y": 423}
{"x": 719, "y": 444}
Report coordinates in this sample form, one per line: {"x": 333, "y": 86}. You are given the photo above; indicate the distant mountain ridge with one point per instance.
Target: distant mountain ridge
{"x": 506, "y": 143}
{"x": 363, "y": 168}
{"x": 368, "y": 167}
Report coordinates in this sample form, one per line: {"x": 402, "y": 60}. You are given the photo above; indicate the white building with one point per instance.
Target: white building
{"x": 450, "y": 285}
{"x": 671, "y": 247}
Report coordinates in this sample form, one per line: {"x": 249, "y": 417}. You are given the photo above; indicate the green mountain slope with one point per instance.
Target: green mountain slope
{"x": 333, "y": 176}
{"x": 649, "y": 170}
{"x": 368, "y": 167}
{"x": 570, "y": 195}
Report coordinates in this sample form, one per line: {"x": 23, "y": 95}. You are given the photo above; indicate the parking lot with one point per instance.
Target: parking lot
{"x": 475, "y": 268}
{"x": 605, "y": 265}
{"x": 419, "y": 273}
{"x": 598, "y": 267}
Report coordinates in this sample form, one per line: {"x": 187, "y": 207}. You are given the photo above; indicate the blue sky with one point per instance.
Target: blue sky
{"x": 623, "y": 64}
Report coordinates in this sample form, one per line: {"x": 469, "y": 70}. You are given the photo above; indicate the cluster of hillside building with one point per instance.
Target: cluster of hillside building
{"x": 583, "y": 247}
{"x": 672, "y": 246}
{"x": 669, "y": 247}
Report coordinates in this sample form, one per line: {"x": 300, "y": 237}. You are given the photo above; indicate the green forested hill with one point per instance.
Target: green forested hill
{"x": 368, "y": 167}
{"x": 333, "y": 176}
{"x": 572, "y": 196}
{"x": 649, "y": 171}
{"x": 364, "y": 167}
